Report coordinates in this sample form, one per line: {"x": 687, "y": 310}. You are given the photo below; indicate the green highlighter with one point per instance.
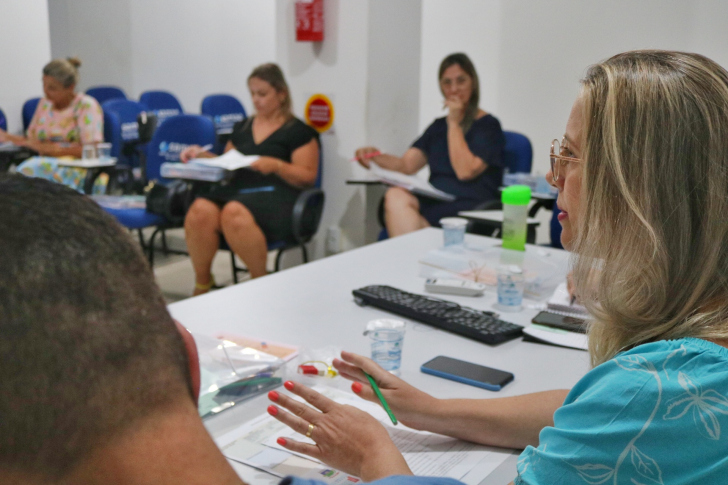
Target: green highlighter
{"x": 381, "y": 399}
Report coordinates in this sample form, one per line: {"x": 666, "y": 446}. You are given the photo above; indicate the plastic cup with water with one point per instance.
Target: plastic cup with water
{"x": 104, "y": 151}
{"x": 386, "y": 336}
{"x": 453, "y": 231}
{"x": 88, "y": 152}
{"x": 511, "y": 284}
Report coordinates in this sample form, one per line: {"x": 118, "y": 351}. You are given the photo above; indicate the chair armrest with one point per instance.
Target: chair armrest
{"x": 307, "y": 213}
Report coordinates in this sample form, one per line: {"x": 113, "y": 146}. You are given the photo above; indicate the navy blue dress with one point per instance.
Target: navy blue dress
{"x": 485, "y": 140}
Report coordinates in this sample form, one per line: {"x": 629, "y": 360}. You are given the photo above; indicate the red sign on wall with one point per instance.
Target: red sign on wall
{"x": 310, "y": 20}
{"x": 319, "y": 112}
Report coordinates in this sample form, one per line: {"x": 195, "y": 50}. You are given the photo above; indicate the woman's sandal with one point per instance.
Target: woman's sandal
{"x": 200, "y": 288}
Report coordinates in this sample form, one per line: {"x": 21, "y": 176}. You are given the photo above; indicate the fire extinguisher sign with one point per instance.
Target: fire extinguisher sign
{"x": 310, "y": 20}
{"x": 319, "y": 112}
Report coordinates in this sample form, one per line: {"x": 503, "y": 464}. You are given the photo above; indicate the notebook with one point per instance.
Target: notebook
{"x": 560, "y": 302}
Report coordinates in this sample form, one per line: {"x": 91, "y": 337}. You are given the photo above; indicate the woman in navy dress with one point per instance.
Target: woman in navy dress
{"x": 464, "y": 151}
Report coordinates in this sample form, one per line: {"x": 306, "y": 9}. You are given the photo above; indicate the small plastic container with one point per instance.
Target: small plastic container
{"x": 103, "y": 150}
{"x": 387, "y": 337}
{"x": 453, "y": 231}
{"x": 88, "y": 152}
{"x": 515, "y": 212}
{"x": 511, "y": 283}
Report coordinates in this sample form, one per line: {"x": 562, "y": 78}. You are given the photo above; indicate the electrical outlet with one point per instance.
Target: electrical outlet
{"x": 333, "y": 239}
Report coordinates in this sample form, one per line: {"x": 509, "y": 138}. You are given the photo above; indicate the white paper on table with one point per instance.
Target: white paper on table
{"x": 427, "y": 454}
{"x": 409, "y": 182}
{"x": 231, "y": 160}
{"x": 557, "y": 336}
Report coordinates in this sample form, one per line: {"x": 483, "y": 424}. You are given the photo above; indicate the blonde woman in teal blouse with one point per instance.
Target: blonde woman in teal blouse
{"x": 642, "y": 174}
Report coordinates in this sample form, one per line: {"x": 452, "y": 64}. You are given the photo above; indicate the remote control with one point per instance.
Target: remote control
{"x": 454, "y": 287}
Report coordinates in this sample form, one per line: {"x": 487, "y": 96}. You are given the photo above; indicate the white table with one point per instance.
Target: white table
{"x": 312, "y": 306}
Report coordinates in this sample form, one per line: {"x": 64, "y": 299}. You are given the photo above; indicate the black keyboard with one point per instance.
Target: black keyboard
{"x": 475, "y": 324}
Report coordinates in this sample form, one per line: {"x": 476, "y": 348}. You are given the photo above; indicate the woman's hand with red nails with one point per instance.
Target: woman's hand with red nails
{"x": 344, "y": 437}
{"x": 411, "y": 406}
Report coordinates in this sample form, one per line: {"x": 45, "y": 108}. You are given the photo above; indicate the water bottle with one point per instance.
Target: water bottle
{"x": 515, "y": 212}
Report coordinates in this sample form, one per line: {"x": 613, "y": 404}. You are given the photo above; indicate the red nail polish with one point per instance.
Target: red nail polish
{"x": 281, "y": 441}
{"x": 273, "y": 396}
{"x": 288, "y": 385}
{"x": 356, "y": 387}
{"x": 272, "y": 410}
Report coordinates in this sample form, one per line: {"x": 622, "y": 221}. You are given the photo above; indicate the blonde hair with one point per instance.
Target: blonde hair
{"x": 652, "y": 238}
{"x": 273, "y": 75}
{"x": 65, "y": 71}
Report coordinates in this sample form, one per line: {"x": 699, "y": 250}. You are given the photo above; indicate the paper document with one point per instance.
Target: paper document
{"x": 231, "y": 160}
{"x": 410, "y": 182}
{"x": 555, "y": 336}
{"x": 560, "y": 302}
{"x": 426, "y": 453}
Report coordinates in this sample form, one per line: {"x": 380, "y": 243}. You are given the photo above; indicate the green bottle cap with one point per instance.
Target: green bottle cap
{"x": 516, "y": 195}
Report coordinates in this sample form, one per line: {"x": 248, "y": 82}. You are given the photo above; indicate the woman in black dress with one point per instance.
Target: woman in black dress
{"x": 256, "y": 206}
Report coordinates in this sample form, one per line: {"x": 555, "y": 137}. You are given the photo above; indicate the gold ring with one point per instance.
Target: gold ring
{"x": 310, "y": 430}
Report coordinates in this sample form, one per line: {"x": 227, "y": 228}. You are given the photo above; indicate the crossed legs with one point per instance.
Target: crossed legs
{"x": 402, "y": 212}
{"x": 204, "y": 223}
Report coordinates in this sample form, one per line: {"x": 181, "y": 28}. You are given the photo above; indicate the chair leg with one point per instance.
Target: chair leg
{"x": 151, "y": 245}
{"x": 305, "y": 253}
{"x": 165, "y": 248}
{"x": 234, "y": 267}
{"x": 277, "y": 266}
{"x": 141, "y": 239}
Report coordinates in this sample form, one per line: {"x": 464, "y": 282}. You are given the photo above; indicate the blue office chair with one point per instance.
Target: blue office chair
{"x": 225, "y": 110}
{"x": 3, "y": 121}
{"x": 29, "y": 108}
{"x": 105, "y": 93}
{"x": 555, "y": 229}
{"x": 167, "y": 142}
{"x": 162, "y": 103}
{"x": 307, "y": 212}
{"x": 518, "y": 153}
{"x": 121, "y": 128}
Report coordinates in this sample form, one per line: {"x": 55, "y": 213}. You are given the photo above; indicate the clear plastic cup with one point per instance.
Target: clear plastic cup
{"x": 387, "y": 337}
{"x": 104, "y": 151}
{"x": 511, "y": 283}
{"x": 453, "y": 231}
{"x": 88, "y": 152}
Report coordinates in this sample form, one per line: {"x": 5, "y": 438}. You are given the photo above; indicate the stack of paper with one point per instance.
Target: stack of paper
{"x": 410, "y": 182}
{"x": 428, "y": 454}
{"x": 231, "y": 160}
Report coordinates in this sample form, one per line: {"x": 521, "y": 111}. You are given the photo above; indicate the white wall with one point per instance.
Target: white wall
{"x": 194, "y": 48}
{"x": 98, "y": 33}
{"x": 26, "y": 49}
{"x": 531, "y": 55}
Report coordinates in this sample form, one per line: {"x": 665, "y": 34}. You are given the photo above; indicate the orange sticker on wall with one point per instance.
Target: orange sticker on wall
{"x": 319, "y": 112}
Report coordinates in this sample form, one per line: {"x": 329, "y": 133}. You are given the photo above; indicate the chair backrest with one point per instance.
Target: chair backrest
{"x": 225, "y": 110}
{"x": 177, "y": 133}
{"x": 162, "y": 103}
{"x": 555, "y": 229}
{"x": 518, "y": 153}
{"x": 3, "y": 121}
{"x": 120, "y": 125}
{"x": 29, "y": 108}
{"x": 105, "y": 93}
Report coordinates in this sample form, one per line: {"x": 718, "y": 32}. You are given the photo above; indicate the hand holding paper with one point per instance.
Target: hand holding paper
{"x": 231, "y": 160}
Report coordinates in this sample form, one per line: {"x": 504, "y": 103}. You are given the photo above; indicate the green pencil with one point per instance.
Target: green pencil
{"x": 381, "y": 399}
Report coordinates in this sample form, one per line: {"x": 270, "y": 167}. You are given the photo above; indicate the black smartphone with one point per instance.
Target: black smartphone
{"x": 467, "y": 373}
{"x": 572, "y": 324}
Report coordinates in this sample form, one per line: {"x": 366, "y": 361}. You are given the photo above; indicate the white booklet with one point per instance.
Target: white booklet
{"x": 231, "y": 160}
{"x": 410, "y": 182}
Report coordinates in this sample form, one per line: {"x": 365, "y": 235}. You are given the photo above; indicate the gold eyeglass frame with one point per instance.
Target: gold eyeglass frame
{"x": 553, "y": 156}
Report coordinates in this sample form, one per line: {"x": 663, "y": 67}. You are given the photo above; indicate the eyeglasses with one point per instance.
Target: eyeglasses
{"x": 557, "y": 150}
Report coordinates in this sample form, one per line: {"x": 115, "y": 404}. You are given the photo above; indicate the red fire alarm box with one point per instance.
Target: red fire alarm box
{"x": 310, "y": 20}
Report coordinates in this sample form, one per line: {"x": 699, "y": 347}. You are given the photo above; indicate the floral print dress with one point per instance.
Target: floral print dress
{"x": 81, "y": 122}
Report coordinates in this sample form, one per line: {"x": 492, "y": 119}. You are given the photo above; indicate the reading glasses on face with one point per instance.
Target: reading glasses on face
{"x": 557, "y": 153}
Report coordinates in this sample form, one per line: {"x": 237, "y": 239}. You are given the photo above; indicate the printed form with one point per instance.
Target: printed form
{"x": 427, "y": 454}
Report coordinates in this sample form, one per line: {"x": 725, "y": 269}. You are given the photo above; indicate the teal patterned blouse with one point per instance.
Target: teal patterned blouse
{"x": 653, "y": 415}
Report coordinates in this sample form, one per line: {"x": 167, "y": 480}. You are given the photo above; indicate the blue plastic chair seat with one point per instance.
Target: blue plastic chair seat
{"x": 136, "y": 218}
